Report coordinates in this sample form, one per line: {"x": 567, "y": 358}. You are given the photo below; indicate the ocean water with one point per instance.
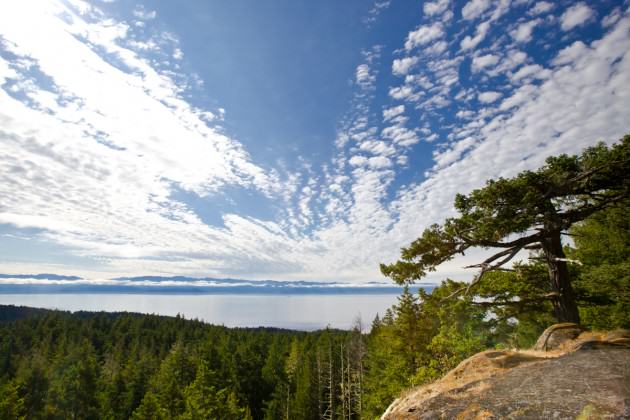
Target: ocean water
{"x": 301, "y": 312}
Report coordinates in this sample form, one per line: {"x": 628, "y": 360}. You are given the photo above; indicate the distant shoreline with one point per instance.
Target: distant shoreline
{"x": 199, "y": 290}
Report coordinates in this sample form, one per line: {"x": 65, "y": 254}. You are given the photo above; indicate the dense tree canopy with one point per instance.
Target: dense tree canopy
{"x": 529, "y": 211}
{"x": 57, "y": 365}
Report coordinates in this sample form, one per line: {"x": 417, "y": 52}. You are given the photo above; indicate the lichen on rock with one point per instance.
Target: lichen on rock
{"x": 587, "y": 377}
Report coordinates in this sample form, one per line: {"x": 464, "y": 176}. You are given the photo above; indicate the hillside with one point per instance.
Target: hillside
{"x": 588, "y": 377}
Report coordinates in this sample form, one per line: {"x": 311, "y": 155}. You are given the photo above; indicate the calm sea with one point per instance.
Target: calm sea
{"x": 303, "y": 312}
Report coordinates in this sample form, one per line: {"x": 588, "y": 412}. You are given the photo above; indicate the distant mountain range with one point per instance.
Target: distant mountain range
{"x": 39, "y": 277}
{"x": 53, "y": 283}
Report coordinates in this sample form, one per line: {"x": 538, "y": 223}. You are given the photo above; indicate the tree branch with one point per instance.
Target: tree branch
{"x": 569, "y": 260}
{"x": 536, "y": 299}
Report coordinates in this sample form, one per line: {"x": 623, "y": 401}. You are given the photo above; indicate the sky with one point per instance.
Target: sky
{"x": 285, "y": 140}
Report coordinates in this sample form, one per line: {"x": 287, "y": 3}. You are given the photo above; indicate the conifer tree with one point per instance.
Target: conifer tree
{"x": 532, "y": 210}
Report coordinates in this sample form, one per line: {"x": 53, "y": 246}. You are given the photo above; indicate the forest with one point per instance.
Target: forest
{"x": 60, "y": 365}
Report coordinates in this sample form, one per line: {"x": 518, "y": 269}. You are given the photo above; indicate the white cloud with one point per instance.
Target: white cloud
{"x": 513, "y": 59}
{"x": 519, "y": 97}
{"x": 433, "y": 137}
{"x": 612, "y": 18}
{"x": 419, "y": 80}
{"x": 178, "y": 54}
{"x": 392, "y": 112}
{"x": 423, "y": 35}
{"x": 358, "y": 160}
{"x": 481, "y": 62}
{"x": 447, "y": 16}
{"x": 363, "y": 76}
{"x": 471, "y": 42}
{"x": 540, "y": 8}
{"x": 375, "y": 12}
{"x": 489, "y": 97}
{"x": 6, "y": 72}
{"x": 448, "y": 156}
{"x": 576, "y": 15}
{"x": 141, "y": 13}
{"x": 436, "y": 48}
{"x": 379, "y": 162}
{"x": 571, "y": 53}
{"x": 474, "y": 8}
{"x": 500, "y": 8}
{"x": 377, "y": 148}
{"x": 523, "y": 32}
{"x": 530, "y": 71}
{"x": 437, "y": 7}
{"x": 464, "y": 114}
{"x": 401, "y": 92}
{"x": 401, "y": 66}
{"x": 401, "y": 136}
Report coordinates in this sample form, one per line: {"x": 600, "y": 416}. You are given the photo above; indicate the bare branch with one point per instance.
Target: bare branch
{"x": 485, "y": 267}
{"x": 572, "y": 235}
{"x": 536, "y": 299}
{"x": 515, "y": 251}
{"x": 525, "y": 240}
{"x": 455, "y": 293}
{"x": 569, "y": 260}
{"x": 489, "y": 260}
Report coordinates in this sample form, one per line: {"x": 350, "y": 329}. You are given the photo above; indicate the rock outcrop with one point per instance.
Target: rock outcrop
{"x": 587, "y": 377}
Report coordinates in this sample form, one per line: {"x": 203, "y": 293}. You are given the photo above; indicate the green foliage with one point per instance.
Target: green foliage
{"x": 419, "y": 340}
{"x": 33, "y": 382}
{"x": 176, "y": 372}
{"x": 204, "y": 401}
{"x": 512, "y": 302}
{"x": 11, "y": 404}
{"x": 534, "y": 208}
{"x": 602, "y": 245}
{"x": 120, "y": 366}
{"x": 72, "y": 386}
{"x": 150, "y": 408}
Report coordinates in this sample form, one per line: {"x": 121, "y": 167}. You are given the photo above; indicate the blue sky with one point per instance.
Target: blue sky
{"x": 289, "y": 140}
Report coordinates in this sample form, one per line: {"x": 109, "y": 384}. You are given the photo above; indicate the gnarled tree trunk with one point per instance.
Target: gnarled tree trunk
{"x": 564, "y": 305}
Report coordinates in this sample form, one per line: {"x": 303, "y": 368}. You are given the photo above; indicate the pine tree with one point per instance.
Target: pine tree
{"x": 531, "y": 210}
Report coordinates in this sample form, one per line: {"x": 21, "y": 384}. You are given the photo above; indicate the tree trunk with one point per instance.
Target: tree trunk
{"x": 319, "y": 385}
{"x": 564, "y": 304}
{"x": 343, "y": 387}
{"x": 331, "y": 385}
{"x": 288, "y": 400}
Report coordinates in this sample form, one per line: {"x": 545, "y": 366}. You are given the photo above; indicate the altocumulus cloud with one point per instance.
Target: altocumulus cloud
{"x": 93, "y": 165}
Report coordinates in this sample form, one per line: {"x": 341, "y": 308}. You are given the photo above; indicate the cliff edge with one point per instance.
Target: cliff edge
{"x": 567, "y": 376}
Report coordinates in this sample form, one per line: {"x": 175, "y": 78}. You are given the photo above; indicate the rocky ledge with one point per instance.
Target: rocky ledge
{"x": 567, "y": 376}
